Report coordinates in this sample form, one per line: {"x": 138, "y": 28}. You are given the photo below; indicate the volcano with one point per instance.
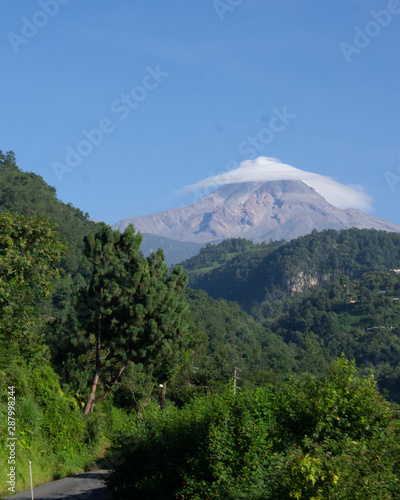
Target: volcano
{"x": 258, "y": 211}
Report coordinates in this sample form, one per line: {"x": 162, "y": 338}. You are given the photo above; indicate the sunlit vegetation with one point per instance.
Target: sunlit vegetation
{"x": 109, "y": 348}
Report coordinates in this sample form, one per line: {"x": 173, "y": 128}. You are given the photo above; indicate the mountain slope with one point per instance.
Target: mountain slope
{"x": 259, "y": 211}
{"x": 27, "y": 193}
{"x": 248, "y": 273}
{"x": 174, "y": 251}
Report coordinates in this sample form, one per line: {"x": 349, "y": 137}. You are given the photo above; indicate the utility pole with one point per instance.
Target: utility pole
{"x": 163, "y": 389}
{"x": 235, "y": 377}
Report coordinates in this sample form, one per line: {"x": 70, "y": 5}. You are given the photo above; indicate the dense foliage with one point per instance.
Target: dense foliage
{"x": 27, "y": 193}
{"x": 318, "y": 296}
{"x": 30, "y": 252}
{"x": 36, "y": 304}
{"x": 47, "y": 422}
{"x": 50, "y": 428}
{"x": 308, "y": 439}
{"x": 127, "y": 323}
{"x": 261, "y": 272}
{"x": 232, "y": 338}
{"x": 135, "y": 310}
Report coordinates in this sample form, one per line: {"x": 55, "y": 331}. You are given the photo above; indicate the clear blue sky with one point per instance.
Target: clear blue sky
{"x": 199, "y": 77}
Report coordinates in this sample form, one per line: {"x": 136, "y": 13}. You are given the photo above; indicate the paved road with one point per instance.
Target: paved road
{"x": 88, "y": 486}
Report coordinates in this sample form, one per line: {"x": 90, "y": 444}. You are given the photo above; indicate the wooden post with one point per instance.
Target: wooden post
{"x": 30, "y": 477}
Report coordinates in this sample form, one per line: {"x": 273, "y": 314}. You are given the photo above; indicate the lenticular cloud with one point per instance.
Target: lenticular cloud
{"x": 270, "y": 169}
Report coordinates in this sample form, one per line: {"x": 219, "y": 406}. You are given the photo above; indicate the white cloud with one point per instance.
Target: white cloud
{"x": 271, "y": 169}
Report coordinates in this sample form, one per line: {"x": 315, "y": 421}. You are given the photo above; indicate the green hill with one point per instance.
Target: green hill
{"x": 310, "y": 299}
{"x": 322, "y": 295}
{"x": 27, "y": 193}
{"x": 299, "y": 306}
{"x": 360, "y": 318}
{"x": 249, "y": 274}
{"x": 233, "y": 338}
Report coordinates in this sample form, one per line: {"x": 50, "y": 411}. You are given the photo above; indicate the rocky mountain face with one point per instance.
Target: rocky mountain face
{"x": 258, "y": 211}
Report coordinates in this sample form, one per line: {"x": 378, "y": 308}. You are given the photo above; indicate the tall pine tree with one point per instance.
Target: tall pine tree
{"x": 133, "y": 310}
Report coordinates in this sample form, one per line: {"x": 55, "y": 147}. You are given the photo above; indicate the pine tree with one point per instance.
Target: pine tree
{"x": 132, "y": 311}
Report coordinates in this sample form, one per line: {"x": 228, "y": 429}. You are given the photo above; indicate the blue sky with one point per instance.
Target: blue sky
{"x": 121, "y": 104}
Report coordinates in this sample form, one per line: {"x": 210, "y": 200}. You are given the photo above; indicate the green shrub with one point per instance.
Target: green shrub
{"x": 306, "y": 439}
{"x": 51, "y": 431}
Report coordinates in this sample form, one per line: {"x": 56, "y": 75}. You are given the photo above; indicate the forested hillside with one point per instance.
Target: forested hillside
{"x": 102, "y": 347}
{"x": 27, "y": 193}
{"x": 249, "y": 273}
{"x": 321, "y": 295}
{"x": 45, "y": 424}
{"x": 232, "y": 338}
{"x": 56, "y": 386}
{"x": 359, "y": 318}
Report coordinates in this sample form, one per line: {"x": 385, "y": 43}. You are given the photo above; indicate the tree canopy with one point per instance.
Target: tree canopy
{"x": 247, "y": 276}
{"x": 26, "y": 193}
{"x": 30, "y": 253}
{"x": 133, "y": 309}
